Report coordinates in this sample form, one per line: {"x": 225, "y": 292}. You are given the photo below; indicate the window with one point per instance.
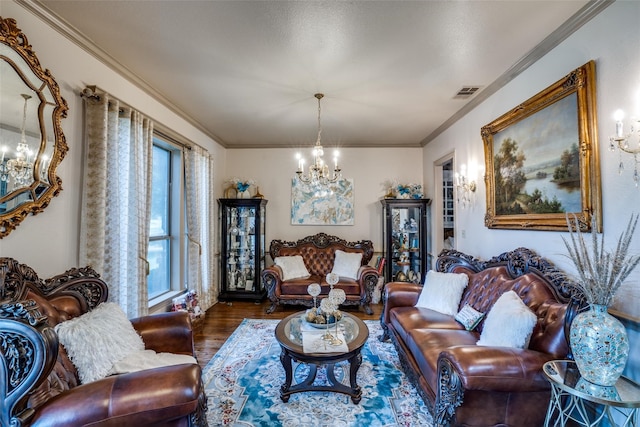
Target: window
{"x": 165, "y": 252}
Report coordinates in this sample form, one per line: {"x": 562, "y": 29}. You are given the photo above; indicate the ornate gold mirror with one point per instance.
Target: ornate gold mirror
{"x": 32, "y": 144}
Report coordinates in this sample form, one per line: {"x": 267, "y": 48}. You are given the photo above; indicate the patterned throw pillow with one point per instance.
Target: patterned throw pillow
{"x": 469, "y": 317}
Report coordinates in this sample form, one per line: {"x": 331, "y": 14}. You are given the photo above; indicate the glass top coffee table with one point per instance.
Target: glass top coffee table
{"x": 289, "y": 334}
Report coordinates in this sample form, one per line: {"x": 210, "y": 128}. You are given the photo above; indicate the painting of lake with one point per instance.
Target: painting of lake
{"x": 536, "y": 162}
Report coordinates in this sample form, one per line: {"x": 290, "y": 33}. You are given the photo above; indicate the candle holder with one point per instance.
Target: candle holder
{"x": 328, "y": 308}
{"x": 626, "y": 143}
{"x": 314, "y": 290}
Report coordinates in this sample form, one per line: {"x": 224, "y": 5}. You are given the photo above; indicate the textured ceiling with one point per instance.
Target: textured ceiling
{"x": 245, "y": 72}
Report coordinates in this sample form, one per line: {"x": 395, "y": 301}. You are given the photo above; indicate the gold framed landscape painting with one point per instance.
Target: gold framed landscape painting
{"x": 541, "y": 158}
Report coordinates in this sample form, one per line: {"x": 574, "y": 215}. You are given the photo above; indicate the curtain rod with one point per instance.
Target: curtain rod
{"x": 93, "y": 91}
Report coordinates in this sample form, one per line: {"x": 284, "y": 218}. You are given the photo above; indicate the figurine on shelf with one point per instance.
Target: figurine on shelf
{"x": 232, "y": 279}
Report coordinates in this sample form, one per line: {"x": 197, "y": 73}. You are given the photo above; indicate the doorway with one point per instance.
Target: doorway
{"x": 444, "y": 205}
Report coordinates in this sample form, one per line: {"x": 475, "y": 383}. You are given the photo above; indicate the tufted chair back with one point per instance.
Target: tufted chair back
{"x": 319, "y": 251}
{"x": 486, "y": 286}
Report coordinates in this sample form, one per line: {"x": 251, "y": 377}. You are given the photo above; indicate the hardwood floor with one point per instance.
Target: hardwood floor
{"x": 223, "y": 318}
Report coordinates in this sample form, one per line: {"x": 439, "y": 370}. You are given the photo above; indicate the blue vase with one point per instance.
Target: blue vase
{"x": 600, "y": 345}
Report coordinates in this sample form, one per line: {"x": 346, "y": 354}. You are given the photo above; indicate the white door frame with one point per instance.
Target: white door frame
{"x": 437, "y": 204}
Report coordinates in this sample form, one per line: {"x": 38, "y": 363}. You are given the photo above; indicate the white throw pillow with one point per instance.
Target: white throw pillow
{"x": 149, "y": 359}
{"x": 509, "y": 323}
{"x": 347, "y": 264}
{"x": 292, "y": 267}
{"x": 442, "y": 291}
{"x": 98, "y": 339}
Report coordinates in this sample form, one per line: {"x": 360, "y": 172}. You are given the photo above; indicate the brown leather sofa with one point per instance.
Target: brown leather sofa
{"x": 318, "y": 253}
{"x": 465, "y": 384}
{"x": 41, "y": 385}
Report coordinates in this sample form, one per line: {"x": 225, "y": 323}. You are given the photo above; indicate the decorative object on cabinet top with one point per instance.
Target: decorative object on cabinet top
{"x": 241, "y": 188}
{"x": 396, "y": 190}
{"x": 32, "y": 143}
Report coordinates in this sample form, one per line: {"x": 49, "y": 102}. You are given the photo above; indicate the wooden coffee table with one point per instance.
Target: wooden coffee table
{"x": 289, "y": 336}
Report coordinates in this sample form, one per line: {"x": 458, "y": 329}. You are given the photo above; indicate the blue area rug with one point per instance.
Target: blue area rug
{"x": 243, "y": 386}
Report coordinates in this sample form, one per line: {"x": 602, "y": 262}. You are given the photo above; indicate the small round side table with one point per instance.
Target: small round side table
{"x": 570, "y": 393}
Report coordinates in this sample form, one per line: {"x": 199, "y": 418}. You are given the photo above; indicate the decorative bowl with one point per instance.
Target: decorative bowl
{"x": 321, "y": 325}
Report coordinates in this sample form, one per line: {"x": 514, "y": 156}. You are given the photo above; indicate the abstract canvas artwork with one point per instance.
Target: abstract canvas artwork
{"x": 326, "y": 205}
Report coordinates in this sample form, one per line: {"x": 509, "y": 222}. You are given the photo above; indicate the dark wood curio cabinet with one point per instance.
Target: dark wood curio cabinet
{"x": 406, "y": 239}
{"x": 242, "y": 248}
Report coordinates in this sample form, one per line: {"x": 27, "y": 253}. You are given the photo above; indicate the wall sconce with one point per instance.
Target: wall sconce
{"x": 626, "y": 142}
{"x": 465, "y": 187}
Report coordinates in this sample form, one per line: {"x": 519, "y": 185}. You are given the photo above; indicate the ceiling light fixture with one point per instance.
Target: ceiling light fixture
{"x": 19, "y": 168}
{"x": 318, "y": 174}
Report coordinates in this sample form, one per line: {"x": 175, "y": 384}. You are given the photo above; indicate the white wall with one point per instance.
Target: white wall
{"x": 48, "y": 242}
{"x": 272, "y": 169}
{"x": 612, "y": 39}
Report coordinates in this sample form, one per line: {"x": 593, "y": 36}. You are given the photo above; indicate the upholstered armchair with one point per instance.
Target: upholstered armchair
{"x": 316, "y": 257}
{"x": 41, "y": 384}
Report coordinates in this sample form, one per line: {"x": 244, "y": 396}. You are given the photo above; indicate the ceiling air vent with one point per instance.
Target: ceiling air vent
{"x": 466, "y": 92}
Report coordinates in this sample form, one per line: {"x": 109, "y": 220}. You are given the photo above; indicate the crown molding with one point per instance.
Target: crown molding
{"x": 581, "y": 17}
{"x": 86, "y": 44}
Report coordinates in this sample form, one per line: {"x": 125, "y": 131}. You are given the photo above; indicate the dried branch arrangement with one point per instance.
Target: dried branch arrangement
{"x": 600, "y": 272}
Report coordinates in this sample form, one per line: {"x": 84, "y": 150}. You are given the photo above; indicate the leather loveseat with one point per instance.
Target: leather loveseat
{"x": 319, "y": 253}
{"x": 41, "y": 386}
{"x": 465, "y": 384}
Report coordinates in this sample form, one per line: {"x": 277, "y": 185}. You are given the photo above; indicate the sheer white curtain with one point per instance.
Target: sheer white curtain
{"x": 200, "y": 220}
{"x": 116, "y": 199}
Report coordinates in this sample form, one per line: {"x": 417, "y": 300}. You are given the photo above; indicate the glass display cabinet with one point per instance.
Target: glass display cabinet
{"x": 406, "y": 239}
{"x": 242, "y": 251}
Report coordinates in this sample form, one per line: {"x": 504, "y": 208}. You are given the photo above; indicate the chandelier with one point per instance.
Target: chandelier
{"x": 318, "y": 173}
{"x": 20, "y": 168}
{"x": 622, "y": 140}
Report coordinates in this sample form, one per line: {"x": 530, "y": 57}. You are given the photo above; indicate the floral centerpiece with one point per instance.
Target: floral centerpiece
{"x": 598, "y": 340}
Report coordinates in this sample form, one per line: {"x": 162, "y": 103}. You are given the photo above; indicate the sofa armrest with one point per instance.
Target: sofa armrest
{"x": 472, "y": 367}
{"x": 148, "y": 397}
{"x": 501, "y": 369}
{"x": 399, "y": 294}
{"x": 272, "y": 278}
{"x": 368, "y": 280}
{"x": 365, "y": 270}
{"x": 166, "y": 332}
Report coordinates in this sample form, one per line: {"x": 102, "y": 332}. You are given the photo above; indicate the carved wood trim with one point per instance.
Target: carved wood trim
{"x": 323, "y": 241}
